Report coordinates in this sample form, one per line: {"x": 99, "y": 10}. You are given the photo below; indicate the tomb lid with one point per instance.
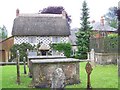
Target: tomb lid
{"x": 46, "y": 57}
{"x": 63, "y": 60}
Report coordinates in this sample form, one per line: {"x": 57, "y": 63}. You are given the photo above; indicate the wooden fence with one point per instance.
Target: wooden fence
{"x": 104, "y": 45}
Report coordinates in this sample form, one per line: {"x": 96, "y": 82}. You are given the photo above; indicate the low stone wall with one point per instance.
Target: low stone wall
{"x": 42, "y": 73}
{"x": 106, "y": 58}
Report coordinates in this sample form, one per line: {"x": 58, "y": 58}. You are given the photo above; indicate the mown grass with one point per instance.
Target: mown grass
{"x": 9, "y": 77}
{"x": 101, "y": 77}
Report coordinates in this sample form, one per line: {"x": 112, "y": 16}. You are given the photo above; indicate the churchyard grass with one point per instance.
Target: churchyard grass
{"x": 101, "y": 77}
{"x": 9, "y": 77}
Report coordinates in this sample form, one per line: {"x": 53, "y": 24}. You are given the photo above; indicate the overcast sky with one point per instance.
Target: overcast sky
{"x": 73, "y": 7}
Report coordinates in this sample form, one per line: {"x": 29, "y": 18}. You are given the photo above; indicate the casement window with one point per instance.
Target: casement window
{"x": 55, "y": 39}
{"x": 32, "y": 39}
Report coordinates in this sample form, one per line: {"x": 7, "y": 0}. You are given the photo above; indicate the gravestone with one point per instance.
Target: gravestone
{"x": 92, "y": 55}
{"x": 58, "y": 79}
{"x": 88, "y": 70}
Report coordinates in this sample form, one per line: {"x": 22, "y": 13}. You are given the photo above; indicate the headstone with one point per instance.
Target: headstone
{"x": 92, "y": 57}
{"x": 88, "y": 70}
{"x": 88, "y": 55}
{"x": 58, "y": 79}
{"x": 57, "y": 52}
{"x": 62, "y": 54}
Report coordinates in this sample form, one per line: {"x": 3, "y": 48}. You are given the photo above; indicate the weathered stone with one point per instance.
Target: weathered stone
{"x": 40, "y": 58}
{"x": 58, "y": 79}
{"x": 42, "y": 71}
{"x": 102, "y": 58}
{"x": 106, "y": 58}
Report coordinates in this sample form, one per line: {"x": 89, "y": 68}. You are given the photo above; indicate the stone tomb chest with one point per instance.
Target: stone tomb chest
{"x": 42, "y": 71}
{"x": 40, "y": 58}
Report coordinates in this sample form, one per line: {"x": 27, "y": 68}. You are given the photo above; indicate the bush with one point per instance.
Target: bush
{"x": 65, "y": 47}
{"x": 81, "y": 56}
{"x": 22, "y": 49}
{"x": 111, "y": 43}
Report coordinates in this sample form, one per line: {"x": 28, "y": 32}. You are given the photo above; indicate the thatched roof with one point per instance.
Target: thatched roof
{"x": 41, "y": 25}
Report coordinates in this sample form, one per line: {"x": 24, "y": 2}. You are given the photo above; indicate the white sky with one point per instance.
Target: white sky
{"x": 73, "y": 7}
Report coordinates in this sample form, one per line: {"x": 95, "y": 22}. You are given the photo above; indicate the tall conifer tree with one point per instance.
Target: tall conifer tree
{"x": 84, "y": 33}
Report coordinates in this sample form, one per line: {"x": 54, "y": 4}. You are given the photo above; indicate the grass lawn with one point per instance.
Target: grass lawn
{"x": 101, "y": 77}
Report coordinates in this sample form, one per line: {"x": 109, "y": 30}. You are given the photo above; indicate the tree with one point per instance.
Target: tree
{"x": 22, "y": 49}
{"x": 54, "y": 10}
{"x": 83, "y": 34}
{"x": 118, "y": 17}
{"x": 3, "y": 32}
{"x": 111, "y": 17}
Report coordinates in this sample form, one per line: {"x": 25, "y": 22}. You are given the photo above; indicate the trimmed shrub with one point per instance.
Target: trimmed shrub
{"x": 65, "y": 47}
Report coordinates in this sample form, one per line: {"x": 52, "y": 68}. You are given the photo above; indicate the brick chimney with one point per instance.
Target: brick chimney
{"x": 64, "y": 14}
{"x": 102, "y": 20}
{"x": 17, "y": 12}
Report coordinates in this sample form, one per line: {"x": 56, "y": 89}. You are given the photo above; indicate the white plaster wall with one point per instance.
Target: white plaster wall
{"x": 20, "y": 39}
{"x": 45, "y": 39}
